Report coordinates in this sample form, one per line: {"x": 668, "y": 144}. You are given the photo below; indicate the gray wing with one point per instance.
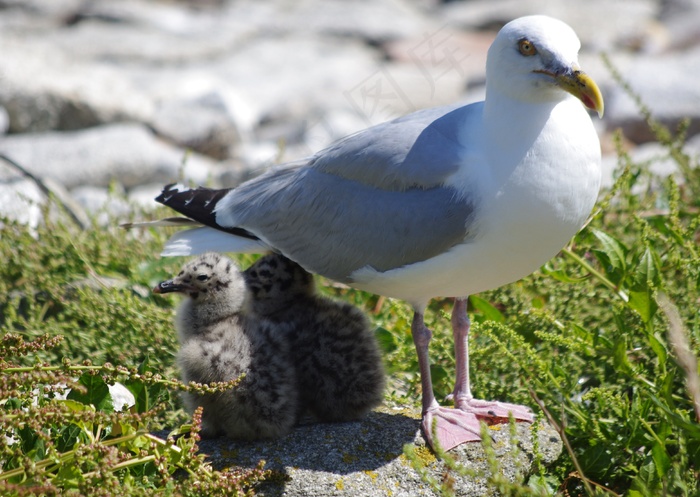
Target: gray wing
{"x": 420, "y": 149}
{"x": 375, "y": 199}
{"x": 334, "y": 226}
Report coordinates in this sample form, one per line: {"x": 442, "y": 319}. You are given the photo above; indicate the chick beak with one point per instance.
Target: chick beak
{"x": 168, "y": 286}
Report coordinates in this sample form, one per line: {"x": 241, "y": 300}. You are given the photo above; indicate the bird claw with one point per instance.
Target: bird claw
{"x": 449, "y": 427}
{"x": 495, "y": 411}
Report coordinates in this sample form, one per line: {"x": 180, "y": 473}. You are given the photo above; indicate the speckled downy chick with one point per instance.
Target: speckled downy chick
{"x": 339, "y": 366}
{"x": 219, "y": 341}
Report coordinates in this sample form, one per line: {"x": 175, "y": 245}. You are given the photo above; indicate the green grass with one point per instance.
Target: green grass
{"x": 76, "y": 311}
{"x": 604, "y": 338}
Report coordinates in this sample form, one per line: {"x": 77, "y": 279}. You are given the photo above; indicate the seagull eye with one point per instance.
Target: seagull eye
{"x": 202, "y": 277}
{"x": 527, "y": 48}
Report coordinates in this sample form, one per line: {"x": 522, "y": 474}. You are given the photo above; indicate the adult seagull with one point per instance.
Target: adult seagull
{"x": 443, "y": 202}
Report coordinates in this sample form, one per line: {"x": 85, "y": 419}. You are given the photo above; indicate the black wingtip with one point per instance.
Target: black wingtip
{"x": 168, "y": 191}
{"x": 198, "y": 204}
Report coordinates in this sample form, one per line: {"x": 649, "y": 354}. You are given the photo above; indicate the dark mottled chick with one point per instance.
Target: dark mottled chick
{"x": 339, "y": 366}
{"x": 219, "y": 340}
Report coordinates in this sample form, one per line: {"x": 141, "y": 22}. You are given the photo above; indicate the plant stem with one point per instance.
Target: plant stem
{"x": 29, "y": 369}
{"x": 66, "y": 456}
{"x": 83, "y": 368}
{"x": 125, "y": 464}
{"x": 596, "y": 274}
{"x": 562, "y": 434}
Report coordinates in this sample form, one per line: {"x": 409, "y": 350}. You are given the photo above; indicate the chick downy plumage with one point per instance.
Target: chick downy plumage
{"x": 219, "y": 341}
{"x": 337, "y": 358}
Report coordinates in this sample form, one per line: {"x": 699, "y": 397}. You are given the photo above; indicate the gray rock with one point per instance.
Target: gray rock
{"x": 666, "y": 86}
{"x": 144, "y": 195}
{"x": 4, "y": 121}
{"x": 43, "y": 88}
{"x": 654, "y": 159}
{"x": 24, "y": 198}
{"x": 364, "y": 19}
{"x": 53, "y": 13}
{"x": 234, "y": 171}
{"x": 204, "y": 125}
{"x": 254, "y": 82}
{"x": 692, "y": 148}
{"x": 102, "y": 69}
{"x": 292, "y": 76}
{"x": 126, "y": 153}
{"x": 167, "y": 16}
{"x": 21, "y": 200}
{"x": 100, "y": 203}
{"x": 445, "y": 51}
{"x": 162, "y": 34}
{"x": 282, "y": 138}
{"x": 99, "y": 71}
{"x": 367, "y": 457}
{"x": 681, "y": 22}
{"x": 601, "y": 25}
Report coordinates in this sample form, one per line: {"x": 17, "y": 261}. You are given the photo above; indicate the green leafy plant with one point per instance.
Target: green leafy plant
{"x": 70, "y": 303}
{"x": 77, "y": 444}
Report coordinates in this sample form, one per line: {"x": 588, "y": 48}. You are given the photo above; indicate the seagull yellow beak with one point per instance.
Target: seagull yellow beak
{"x": 580, "y": 85}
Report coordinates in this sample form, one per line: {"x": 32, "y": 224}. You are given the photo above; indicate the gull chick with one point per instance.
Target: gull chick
{"x": 219, "y": 341}
{"x": 338, "y": 363}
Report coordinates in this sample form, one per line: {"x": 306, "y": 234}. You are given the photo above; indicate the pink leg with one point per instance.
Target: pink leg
{"x": 451, "y": 427}
{"x": 462, "y": 395}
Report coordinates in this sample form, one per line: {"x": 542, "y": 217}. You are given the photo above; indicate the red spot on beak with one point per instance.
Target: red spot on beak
{"x": 588, "y": 102}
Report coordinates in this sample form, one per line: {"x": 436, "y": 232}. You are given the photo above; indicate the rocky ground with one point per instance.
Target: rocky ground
{"x": 138, "y": 93}
{"x": 366, "y": 458}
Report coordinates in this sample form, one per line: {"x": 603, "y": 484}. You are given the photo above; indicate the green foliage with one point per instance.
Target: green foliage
{"x": 72, "y": 303}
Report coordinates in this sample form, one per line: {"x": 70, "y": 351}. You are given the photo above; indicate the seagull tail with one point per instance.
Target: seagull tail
{"x": 205, "y": 239}
{"x": 199, "y": 206}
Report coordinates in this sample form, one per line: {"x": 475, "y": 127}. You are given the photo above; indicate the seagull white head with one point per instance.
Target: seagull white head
{"x": 534, "y": 58}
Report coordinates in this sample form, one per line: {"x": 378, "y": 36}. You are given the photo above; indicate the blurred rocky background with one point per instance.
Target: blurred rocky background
{"x": 104, "y": 101}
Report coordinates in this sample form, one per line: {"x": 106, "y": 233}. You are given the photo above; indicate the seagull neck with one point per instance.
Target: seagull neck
{"x": 520, "y": 118}
{"x": 513, "y": 126}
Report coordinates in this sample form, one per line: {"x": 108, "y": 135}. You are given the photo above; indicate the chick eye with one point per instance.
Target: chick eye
{"x": 202, "y": 277}
{"x": 527, "y": 48}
